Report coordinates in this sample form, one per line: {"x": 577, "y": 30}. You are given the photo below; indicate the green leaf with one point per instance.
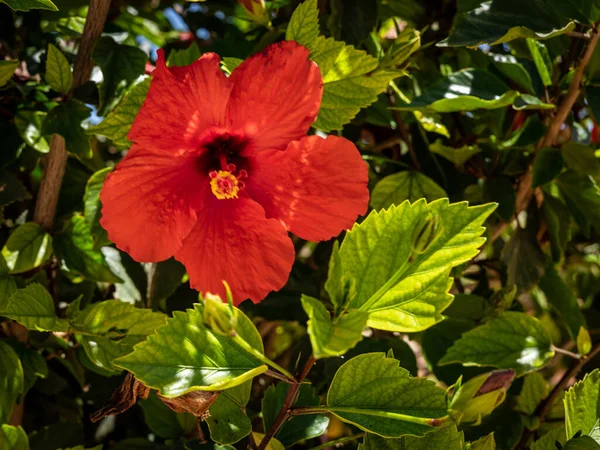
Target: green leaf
{"x": 26, "y": 5}
{"x": 485, "y": 443}
{"x": 582, "y": 197}
{"x": 30, "y": 124}
{"x": 524, "y": 259}
{"x": 11, "y": 189}
{"x": 75, "y": 247}
{"x": 34, "y": 366}
{"x": 446, "y": 438}
{"x": 58, "y": 70}
{"x": 581, "y": 443}
{"x": 117, "y": 123}
{"x": 8, "y": 285}
{"x": 185, "y": 356}
{"x": 407, "y": 42}
{"x": 409, "y": 185}
{"x": 534, "y": 390}
{"x": 564, "y": 300}
{"x": 65, "y": 119}
{"x": 121, "y": 65}
{"x": 584, "y": 341}
{"x": 504, "y": 20}
{"x": 541, "y": 59}
{"x": 11, "y": 380}
{"x": 110, "y": 329}
{"x": 548, "y": 441}
{"x": 582, "y": 407}
{"x": 465, "y": 90}
{"x": 332, "y": 337}
{"x": 7, "y": 69}
{"x": 162, "y": 420}
{"x": 92, "y": 207}
{"x": 513, "y": 340}
{"x": 28, "y": 247}
{"x": 297, "y": 428}
{"x": 377, "y": 395}
{"x": 33, "y": 308}
{"x": 13, "y": 438}
{"x": 184, "y": 57}
{"x": 459, "y": 156}
{"x": 582, "y": 159}
{"x": 228, "y": 422}
{"x": 558, "y": 222}
{"x": 547, "y": 165}
{"x": 304, "y": 24}
{"x": 351, "y": 77}
{"x": 402, "y": 287}
{"x": 119, "y": 264}
{"x": 511, "y": 68}
{"x": 479, "y": 396}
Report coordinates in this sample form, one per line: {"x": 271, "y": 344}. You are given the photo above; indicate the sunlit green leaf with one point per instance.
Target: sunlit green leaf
{"x": 184, "y": 57}
{"x": 458, "y": 156}
{"x": 468, "y": 90}
{"x": 513, "y": 340}
{"x": 110, "y": 329}
{"x": 121, "y": 65}
{"x": 11, "y": 380}
{"x": 28, "y": 247}
{"x": 185, "y": 356}
{"x": 13, "y": 438}
{"x": 408, "y": 185}
{"x": 377, "y": 395}
{"x": 404, "y": 284}
{"x": 332, "y": 337}
{"x": 30, "y": 124}
{"x": 7, "y": 69}
{"x": 92, "y": 207}
{"x": 228, "y": 422}
{"x": 75, "y": 247}
{"x": 58, "y": 70}
{"x": 534, "y": 390}
{"x": 117, "y": 123}
{"x": 33, "y": 308}
{"x": 446, "y": 438}
{"x": 582, "y": 407}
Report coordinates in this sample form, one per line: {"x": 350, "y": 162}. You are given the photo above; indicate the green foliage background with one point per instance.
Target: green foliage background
{"x": 458, "y": 314}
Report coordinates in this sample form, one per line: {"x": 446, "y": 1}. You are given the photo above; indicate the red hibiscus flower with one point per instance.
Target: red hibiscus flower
{"x": 221, "y": 168}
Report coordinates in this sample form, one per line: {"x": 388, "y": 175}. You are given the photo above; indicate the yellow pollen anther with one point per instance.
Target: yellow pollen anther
{"x": 224, "y": 184}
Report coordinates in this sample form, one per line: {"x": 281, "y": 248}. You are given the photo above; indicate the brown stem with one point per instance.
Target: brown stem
{"x": 287, "y": 404}
{"x": 544, "y": 408}
{"x": 56, "y": 161}
{"x": 524, "y": 191}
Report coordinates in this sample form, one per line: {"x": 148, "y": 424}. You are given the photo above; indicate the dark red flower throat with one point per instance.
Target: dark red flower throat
{"x": 224, "y": 158}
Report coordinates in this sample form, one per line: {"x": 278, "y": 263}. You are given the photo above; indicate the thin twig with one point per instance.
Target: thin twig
{"x": 524, "y": 191}
{"x": 578, "y": 35}
{"x": 563, "y": 351}
{"x": 544, "y": 408}
{"x": 287, "y": 404}
{"x": 56, "y": 161}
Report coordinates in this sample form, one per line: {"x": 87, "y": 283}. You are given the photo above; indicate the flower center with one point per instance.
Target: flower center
{"x": 224, "y": 184}
{"x": 224, "y": 154}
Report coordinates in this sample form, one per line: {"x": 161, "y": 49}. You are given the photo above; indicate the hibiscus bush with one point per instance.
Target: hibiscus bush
{"x": 306, "y": 224}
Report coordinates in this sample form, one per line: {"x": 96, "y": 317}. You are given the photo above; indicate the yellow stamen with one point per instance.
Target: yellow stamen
{"x": 224, "y": 184}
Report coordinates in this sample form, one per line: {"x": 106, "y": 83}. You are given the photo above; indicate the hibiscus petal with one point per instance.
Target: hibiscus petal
{"x": 147, "y": 202}
{"x": 182, "y": 102}
{"x": 317, "y": 187}
{"x": 276, "y": 95}
{"x": 233, "y": 241}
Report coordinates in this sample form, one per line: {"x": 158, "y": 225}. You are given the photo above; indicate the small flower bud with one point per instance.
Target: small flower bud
{"x": 218, "y": 316}
{"x": 257, "y": 10}
{"x": 479, "y": 396}
{"x": 425, "y": 233}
